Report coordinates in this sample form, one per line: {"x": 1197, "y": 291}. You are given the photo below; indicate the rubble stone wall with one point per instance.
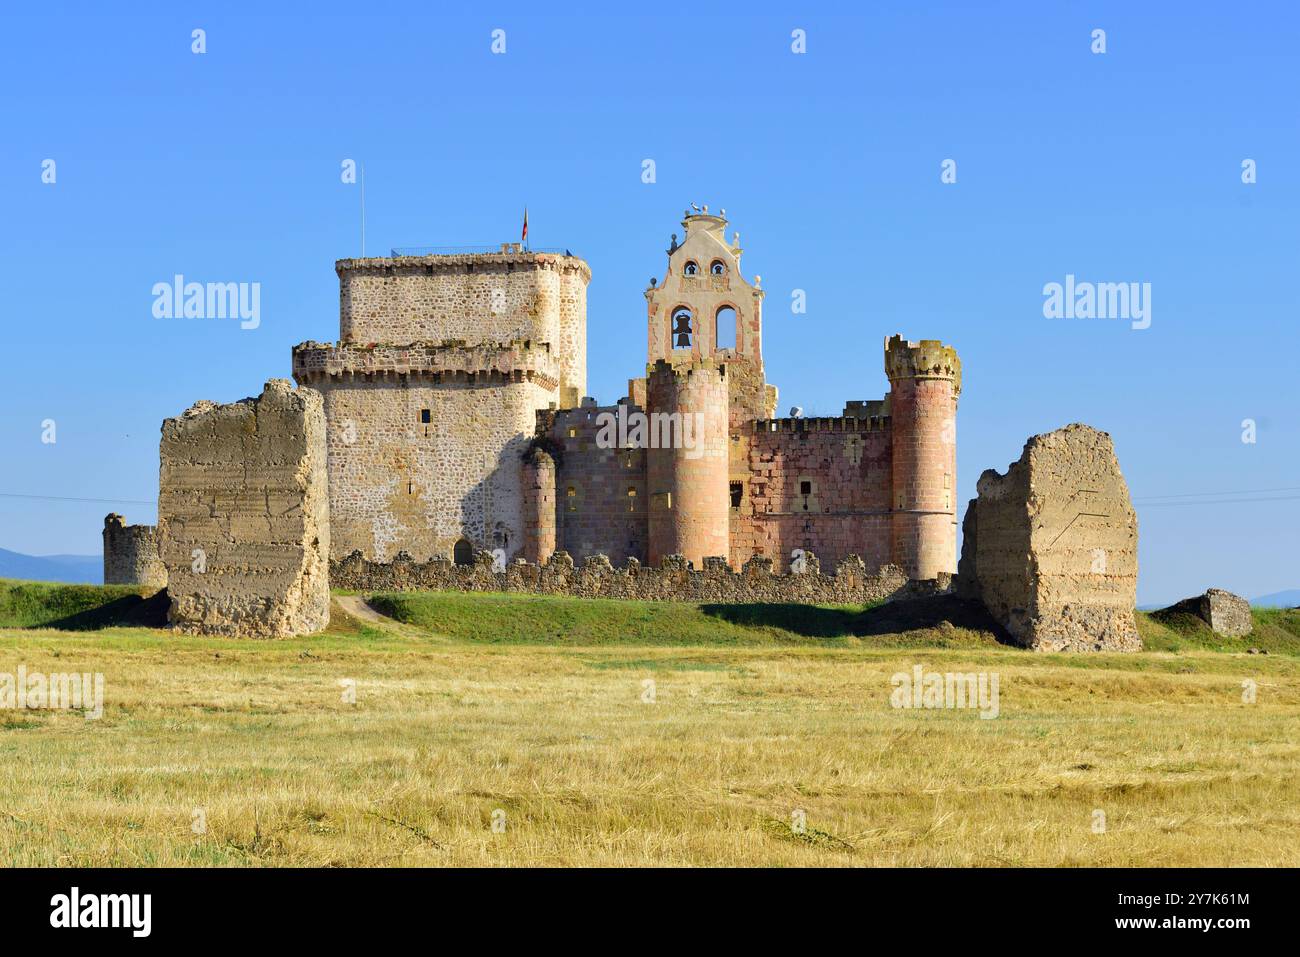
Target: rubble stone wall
{"x": 673, "y": 580}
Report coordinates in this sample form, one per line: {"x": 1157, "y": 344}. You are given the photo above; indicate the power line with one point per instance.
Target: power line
{"x": 1221, "y": 501}
{"x": 1254, "y": 491}
{"x": 73, "y": 498}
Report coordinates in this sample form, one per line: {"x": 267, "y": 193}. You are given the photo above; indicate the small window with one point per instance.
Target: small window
{"x": 718, "y": 268}
{"x": 691, "y": 269}
{"x": 725, "y": 328}
{"x": 425, "y": 416}
{"x": 805, "y": 488}
{"x": 631, "y": 498}
{"x": 573, "y": 432}
{"x": 571, "y": 495}
{"x": 737, "y": 493}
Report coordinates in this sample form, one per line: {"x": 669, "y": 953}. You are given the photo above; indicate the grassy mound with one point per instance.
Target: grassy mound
{"x": 539, "y": 619}
{"x": 26, "y": 604}
{"x": 1277, "y": 631}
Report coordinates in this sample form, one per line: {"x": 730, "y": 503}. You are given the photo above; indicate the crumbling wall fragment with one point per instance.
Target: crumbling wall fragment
{"x": 1051, "y": 546}
{"x": 1226, "y": 614}
{"x": 243, "y": 515}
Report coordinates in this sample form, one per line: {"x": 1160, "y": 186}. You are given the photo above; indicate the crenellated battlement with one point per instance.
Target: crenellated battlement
{"x": 448, "y": 360}
{"x": 927, "y": 359}
{"x": 873, "y": 423}
{"x": 510, "y": 257}
{"x": 686, "y": 368}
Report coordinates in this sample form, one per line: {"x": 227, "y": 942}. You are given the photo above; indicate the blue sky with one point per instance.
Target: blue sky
{"x": 1115, "y": 167}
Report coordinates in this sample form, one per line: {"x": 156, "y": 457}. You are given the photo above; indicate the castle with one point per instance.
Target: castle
{"x": 457, "y": 421}
{"x": 445, "y": 442}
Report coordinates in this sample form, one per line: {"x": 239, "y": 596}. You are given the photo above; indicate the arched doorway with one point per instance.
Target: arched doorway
{"x": 463, "y": 553}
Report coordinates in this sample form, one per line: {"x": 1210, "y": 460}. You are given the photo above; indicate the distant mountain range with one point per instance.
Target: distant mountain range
{"x": 1281, "y": 599}
{"x": 84, "y": 569}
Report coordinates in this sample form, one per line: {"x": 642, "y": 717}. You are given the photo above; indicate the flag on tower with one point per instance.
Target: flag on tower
{"x": 524, "y": 237}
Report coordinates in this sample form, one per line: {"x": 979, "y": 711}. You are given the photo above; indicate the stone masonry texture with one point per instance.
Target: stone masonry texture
{"x": 243, "y": 519}
{"x": 1051, "y": 546}
{"x": 131, "y": 554}
{"x": 456, "y": 422}
{"x": 1226, "y": 614}
{"x": 674, "y": 579}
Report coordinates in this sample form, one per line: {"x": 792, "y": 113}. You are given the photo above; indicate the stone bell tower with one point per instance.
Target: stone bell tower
{"x": 705, "y": 311}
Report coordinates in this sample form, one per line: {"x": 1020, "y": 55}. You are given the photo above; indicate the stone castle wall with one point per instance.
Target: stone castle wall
{"x": 673, "y": 580}
{"x": 845, "y": 465}
{"x": 131, "y": 554}
{"x": 243, "y": 520}
{"x": 601, "y": 494}
{"x": 481, "y": 298}
{"x": 397, "y": 483}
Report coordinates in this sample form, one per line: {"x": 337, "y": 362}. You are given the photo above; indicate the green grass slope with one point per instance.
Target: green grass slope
{"x": 540, "y": 619}
{"x": 503, "y": 619}
{"x": 25, "y": 604}
{"x": 1277, "y": 631}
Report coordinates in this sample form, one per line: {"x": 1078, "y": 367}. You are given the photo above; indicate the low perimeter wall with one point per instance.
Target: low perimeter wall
{"x": 673, "y": 580}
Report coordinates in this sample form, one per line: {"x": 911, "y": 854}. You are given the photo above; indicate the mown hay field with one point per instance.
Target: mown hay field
{"x": 501, "y": 730}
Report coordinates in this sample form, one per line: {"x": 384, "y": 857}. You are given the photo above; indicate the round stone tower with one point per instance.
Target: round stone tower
{"x": 539, "y": 506}
{"x": 686, "y": 462}
{"x": 925, "y": 381}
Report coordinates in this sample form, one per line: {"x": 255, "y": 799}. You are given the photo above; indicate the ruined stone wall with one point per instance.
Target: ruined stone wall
{"x": 243, "y": 519}
{"x": 1051, "y": 546}
{"x": 673, "y": 580}
{"x": 601, "y": 493}
{"x": 1226, "y": 614}
{"x": 131, "y": 554}
{"x": 844, "y": 463}
{"x": 398, "y": 483}
{"x": 488, "y": 298}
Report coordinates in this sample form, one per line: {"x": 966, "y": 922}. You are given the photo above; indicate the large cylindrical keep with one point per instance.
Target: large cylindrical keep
{"x": 925, "y": 380}
{"x": 686, "y": 461}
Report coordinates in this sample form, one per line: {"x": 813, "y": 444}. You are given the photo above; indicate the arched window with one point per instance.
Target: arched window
{"x": 691, "y": 269}
{"x": 463, "y": 553}
{"x": 718, "y": 267}
{"x": 725, "y": 334}
{"x": 682, "y": 328}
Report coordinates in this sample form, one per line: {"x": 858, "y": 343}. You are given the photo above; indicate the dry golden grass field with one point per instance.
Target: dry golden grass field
{"x": 605, "y": 733}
